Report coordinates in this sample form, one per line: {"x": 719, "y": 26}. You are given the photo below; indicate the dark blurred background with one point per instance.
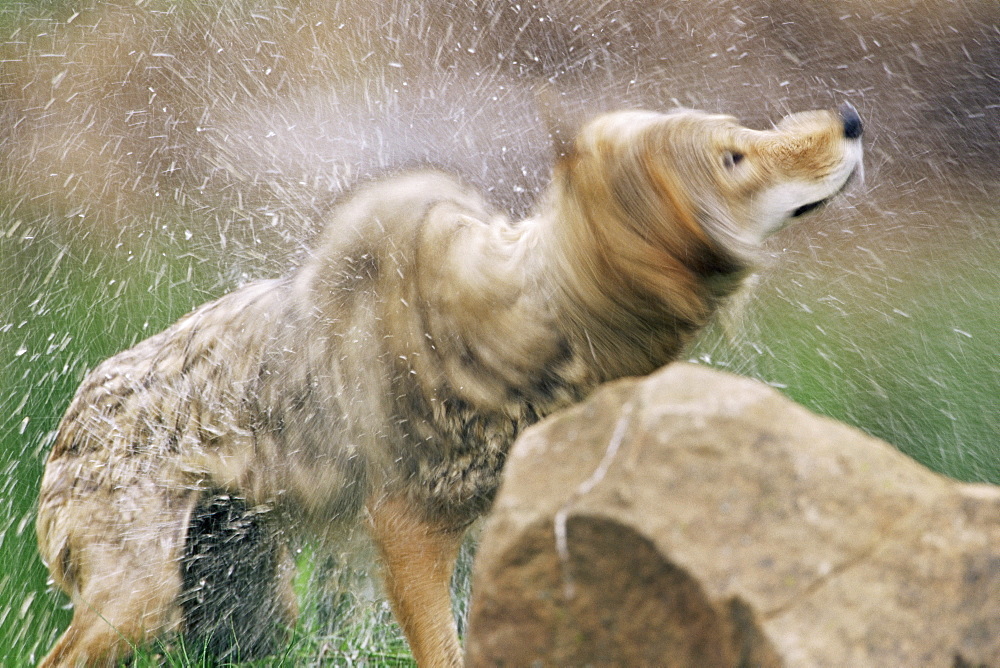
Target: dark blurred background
{"x": 155, "y": 154}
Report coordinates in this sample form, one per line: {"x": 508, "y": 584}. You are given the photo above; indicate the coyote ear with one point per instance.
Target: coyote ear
{"x": 553, "y": 113}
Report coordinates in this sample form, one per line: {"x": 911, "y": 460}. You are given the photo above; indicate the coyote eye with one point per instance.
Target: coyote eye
{"x": 731, "y": 158}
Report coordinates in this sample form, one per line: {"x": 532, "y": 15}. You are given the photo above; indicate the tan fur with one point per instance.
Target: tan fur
{"x": 419, "y": 559}
{"x": 388, "y": 376}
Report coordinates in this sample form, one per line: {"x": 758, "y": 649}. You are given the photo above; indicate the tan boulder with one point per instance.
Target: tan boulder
{"x": 696, "y": 518}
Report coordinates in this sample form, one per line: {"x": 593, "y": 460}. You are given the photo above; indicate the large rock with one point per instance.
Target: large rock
{"x": 700, "y": 519}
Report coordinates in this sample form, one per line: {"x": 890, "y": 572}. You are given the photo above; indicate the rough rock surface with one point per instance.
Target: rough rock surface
{"x": 695, "y": 518}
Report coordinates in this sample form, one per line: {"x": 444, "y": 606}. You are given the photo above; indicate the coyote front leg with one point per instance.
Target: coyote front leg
{"x": 419, "y": 559}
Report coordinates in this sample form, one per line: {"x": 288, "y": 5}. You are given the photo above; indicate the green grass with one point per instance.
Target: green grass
{"x": 351, "y": 645}
{"x": 905, "y": 350}
{"x": 64, "y": 305}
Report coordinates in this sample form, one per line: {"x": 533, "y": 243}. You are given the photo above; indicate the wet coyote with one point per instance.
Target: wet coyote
{"x": 383, "y": 382}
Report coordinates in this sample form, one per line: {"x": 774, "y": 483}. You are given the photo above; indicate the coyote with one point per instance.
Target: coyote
{"x": 383, "y": 381}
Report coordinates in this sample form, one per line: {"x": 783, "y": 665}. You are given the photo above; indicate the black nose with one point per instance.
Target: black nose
{"x": 852, "y": 122}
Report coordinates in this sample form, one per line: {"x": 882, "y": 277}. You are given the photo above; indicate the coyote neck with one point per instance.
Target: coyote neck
{"x": 631, "y": 304}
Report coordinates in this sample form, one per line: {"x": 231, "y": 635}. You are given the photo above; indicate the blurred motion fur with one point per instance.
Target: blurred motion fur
{"x": 383, "y": 382}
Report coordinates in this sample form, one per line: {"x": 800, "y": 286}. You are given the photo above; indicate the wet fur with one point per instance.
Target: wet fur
{"x": 383, "y": 382}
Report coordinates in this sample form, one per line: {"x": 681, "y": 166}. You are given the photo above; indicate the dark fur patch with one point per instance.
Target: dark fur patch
{"x": 230, "y": 570}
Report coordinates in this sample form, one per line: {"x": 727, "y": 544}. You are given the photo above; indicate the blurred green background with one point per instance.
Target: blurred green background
{"x": 157, "y": 154}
